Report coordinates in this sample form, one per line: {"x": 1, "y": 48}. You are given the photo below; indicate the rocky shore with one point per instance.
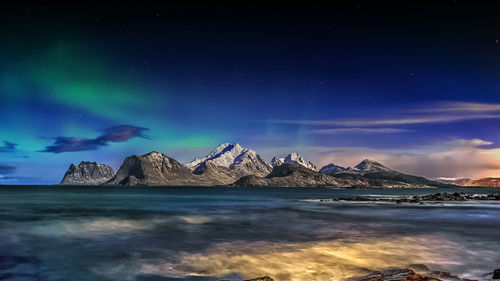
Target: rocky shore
{"x": 438, "y": 197}
{"x": 408, "y": 274}
{"x": 264, "y": 278}
{"x": 416, "y": 272}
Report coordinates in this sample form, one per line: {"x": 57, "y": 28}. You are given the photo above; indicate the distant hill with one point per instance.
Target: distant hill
{"x": 485, "y": 182}
{"x": 376, "y": 174}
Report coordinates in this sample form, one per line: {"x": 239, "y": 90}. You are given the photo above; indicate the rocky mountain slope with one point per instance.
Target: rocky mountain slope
{"x": 87, "y": 173}
{"x": 152, "y": 169}
{"x": 242, "y": 161}
{"x": 217, "y": 174}
{"x": 290, "y": 175}
{"x": 157, "y": 169}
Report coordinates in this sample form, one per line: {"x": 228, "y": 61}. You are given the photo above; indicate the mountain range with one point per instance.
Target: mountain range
{"x": 230, "y": 164}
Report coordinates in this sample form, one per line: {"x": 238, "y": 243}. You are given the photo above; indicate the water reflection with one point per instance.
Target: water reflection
{"x": 325, "y": 260}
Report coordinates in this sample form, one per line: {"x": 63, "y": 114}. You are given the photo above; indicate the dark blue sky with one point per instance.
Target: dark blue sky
{"x": 416, "y": 86}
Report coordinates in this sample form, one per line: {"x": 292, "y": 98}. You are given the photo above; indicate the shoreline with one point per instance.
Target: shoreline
{"x": 437, "y": 197}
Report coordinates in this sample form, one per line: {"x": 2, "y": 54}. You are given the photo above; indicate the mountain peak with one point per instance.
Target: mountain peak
{"x": 223, "y": 146}
{"x": 87, "y": 163}
{"x": 366, "y": 160}
{"x": 153, "y": 153}
{"x": 332, "y": 169}
{"x": 227, "y": 145}
{"x": 157, "y": 156}
{"x": 368, "y": 165}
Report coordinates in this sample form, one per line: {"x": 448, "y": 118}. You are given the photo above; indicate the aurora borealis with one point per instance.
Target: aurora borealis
{"x": 335, "y": 83}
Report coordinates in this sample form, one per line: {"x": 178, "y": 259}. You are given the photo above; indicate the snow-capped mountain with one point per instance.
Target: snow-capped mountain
{"x": 222, "y": 155}
{"x": 332, "y": 169}
{"x": 242, "y": 161}
{"x": 294, "y": 159}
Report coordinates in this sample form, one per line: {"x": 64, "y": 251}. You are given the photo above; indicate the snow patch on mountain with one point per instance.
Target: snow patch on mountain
{"x": 277, "y": 161}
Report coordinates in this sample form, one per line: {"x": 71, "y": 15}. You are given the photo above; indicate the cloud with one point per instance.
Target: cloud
{"x": 461, "y": 107}
{"x": 366, "y": 122}
{"x": 7, "y": 174}
{"x": 439, "y": 112}
{"x": 6, "y": 169}
{"x": 120, "y": 133}
{"x": 8, "y": 147}
{"x": 335, "y": 131}
{"x": 470, "y": 143}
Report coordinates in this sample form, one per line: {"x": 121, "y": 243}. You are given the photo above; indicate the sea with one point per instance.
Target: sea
{"x": 224, "y": 233}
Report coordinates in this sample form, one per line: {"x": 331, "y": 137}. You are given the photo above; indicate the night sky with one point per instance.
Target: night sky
{"x": 414, "y": 86}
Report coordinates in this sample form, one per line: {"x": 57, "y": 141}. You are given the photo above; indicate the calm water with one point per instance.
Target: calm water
{"x": 70, "y": 233}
